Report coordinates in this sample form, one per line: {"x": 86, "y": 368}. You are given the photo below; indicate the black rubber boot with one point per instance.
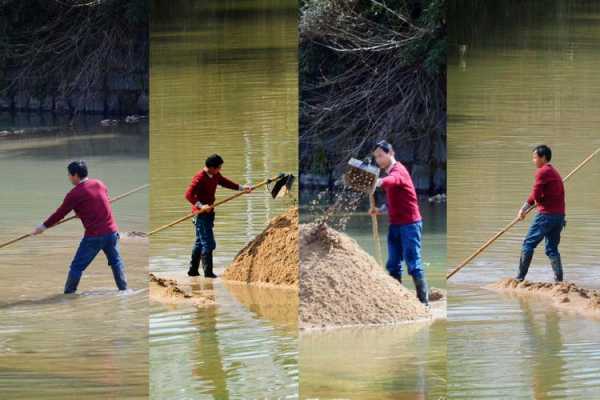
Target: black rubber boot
{"x": 397, "y": 277}
{"x": 524, "y": 263}
{"x": 194, "y": 265}
{"x": 207, "y": 265}
{"x": 556, "y": 263}
{"x": 422, "y": 290}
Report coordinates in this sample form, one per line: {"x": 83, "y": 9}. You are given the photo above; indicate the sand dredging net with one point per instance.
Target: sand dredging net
{"x": 272, "y": 257}
{"x": 342, "y": 285}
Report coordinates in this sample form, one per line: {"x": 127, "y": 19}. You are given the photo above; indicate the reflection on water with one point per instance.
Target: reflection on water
{"x": 247, "y": 346}
{"x": 224, "y": 80}
{"x": 532, "y": 78}
{"x": 393, "y": 362}
{"x": 90, "y": 345}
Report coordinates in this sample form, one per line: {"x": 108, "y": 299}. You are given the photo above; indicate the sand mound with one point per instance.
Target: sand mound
{"x": 272, "y": 257}
{"x": 169, "y": 291}
{"x": 566, "y": 296}
{"x": 342, "y": 285}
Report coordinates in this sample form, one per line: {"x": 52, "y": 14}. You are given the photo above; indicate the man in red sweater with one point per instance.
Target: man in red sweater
{"x": 405, "y": 230}
{"x": 201, "y": 194}
{"x": 548, "y": 195}
{"x": 90, "y": 202}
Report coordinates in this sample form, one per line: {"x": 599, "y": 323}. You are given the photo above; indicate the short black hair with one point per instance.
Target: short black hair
{"x": 543, "y": 151}
{"x": 78, "y": 168}
{"x": 214, "y": 161}
{"x": 384, "y": 145}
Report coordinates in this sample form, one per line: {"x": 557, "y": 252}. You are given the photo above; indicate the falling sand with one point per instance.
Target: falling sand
{"x": 564, "y": 296}
{"x": 342, "y": 285}
{"x": 272, "y": 258}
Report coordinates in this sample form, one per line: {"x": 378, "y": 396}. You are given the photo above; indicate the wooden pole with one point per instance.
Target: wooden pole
{"x": 218, "y": 203}
{"x": 375, "y": 226}
{"x": 512, "y": 223}
{"x": 62, "y": 221}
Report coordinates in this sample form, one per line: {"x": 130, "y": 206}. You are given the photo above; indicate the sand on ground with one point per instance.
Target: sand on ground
{"x": 170, "y": 291}
{"x": 342, "y": 285}
{"x": 564, "y": 296}
{"x": 272, "y": 258}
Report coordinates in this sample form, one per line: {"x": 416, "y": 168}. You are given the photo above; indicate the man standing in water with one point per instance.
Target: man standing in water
{"x": 548, "y": 195}
{"x": 90, "y": 202}
{"x": 201, "y": 193}
{"x": 404, "y": 236}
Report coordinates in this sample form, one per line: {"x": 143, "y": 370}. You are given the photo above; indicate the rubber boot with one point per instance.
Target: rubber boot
{"x": 557, "y": 268}
{"x": 397, "y": 277}
{"x": 194, "y": 265}
{"x": 207, "y": 265}
{"x": 422, "y": 290}
{"x": 524, "y": 263}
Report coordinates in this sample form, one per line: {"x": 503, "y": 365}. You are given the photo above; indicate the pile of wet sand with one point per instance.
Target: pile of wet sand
{"x": 565, "y": 295}
{"x": 342, "y": 285}
{"x": 272, "y": 258}
{"x": 169, "y": 291}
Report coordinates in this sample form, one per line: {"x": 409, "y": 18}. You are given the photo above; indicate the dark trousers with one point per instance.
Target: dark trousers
{"x": 87, "y": 251}
{"x": 205, "y": 238}
{"x": 404, "y": 244}
{"x": 548, "y": 227}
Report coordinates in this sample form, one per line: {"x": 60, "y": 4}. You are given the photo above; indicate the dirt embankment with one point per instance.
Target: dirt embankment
{"x": 342, "y": 285}
{"x": 272, "y": 258}
{"x": 565, "y": 295}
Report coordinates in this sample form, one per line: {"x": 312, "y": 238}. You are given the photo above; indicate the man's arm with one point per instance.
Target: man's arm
{"x": 190, "y": 193}
{"x": 65, "y": 208}
{"x": 232, "y": 185}
{"x": 534, "y": 197}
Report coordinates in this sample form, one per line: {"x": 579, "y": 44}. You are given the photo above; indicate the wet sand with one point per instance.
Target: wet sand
{"x": 565, "y": 296}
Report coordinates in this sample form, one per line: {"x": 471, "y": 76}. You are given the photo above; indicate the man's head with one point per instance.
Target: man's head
{"x": 541, "y": 155}
{"x": 383, "y": 154}
{"x": 77, "y": 171}
{"x": 213, "y": 164}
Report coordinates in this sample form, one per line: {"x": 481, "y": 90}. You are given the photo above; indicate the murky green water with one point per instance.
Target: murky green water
{"x": 94, "y": 344}
{"x": 529, "y": 77}
{"x": 223, "y": 80}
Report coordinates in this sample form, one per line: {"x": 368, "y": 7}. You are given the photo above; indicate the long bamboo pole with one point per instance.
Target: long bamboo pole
{"x": 218, "y": 203}
{"x": 512, "y": 223}
{"x": 62, "y": 221}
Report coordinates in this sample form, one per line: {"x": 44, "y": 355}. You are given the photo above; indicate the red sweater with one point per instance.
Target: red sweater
{"x": 90, "y": 201}
{"x": 548, "y": 191}
{"x": 204, "y": 187}
{"x": 402, "y": 204}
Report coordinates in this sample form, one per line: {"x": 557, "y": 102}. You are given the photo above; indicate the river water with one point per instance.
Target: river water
{"x": 223, "y": 80}
{"x": 528, "y": 76}
{"x": 90, "y": 345}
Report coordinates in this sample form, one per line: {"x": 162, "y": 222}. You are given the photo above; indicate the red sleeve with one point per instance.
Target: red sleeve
{"x": 190, "y": 193}
{"x": 537, "y": 191}
{"x": 394, "y": 179}
{"x": 65, "y": 208}
{"x": 227, "y": 183}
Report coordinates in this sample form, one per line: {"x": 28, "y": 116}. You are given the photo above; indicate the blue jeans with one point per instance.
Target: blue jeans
{"x": 205, "y": 238}
{"x": 544, "y": 226}
{"x": 404, "y": 244}
{"x": 87, "y": 251}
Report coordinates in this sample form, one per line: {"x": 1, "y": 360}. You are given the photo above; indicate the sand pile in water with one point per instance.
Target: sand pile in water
{"x": 342, "y": 285}
{"x": 272, "y": 257}
{"x": 565, "y": 295}
{"x": 169, "y": 291}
